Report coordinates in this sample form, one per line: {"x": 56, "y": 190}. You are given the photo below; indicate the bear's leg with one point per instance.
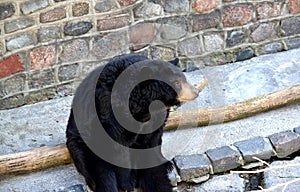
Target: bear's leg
{"x": 125, "y": 178}
{"x": 156, "y": 179}
{"x": 105, "y": 179}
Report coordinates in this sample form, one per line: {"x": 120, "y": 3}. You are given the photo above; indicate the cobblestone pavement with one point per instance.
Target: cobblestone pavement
{"x": 203, "y": 154}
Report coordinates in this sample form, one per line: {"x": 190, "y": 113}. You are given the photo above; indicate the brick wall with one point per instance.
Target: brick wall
{"x": 45, "y": 45}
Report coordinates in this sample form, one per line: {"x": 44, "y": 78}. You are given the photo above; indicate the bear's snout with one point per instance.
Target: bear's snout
{"x": 187, "y": 93}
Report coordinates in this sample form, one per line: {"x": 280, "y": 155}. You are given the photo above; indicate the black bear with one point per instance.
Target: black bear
{"x": 102, "y": 175}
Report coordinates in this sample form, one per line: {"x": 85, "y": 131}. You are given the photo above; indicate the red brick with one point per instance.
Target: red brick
{"x": 53, "y": 15}
{"x": 113, "y": 22}
{"x": 42, "y": 57}
{"x": 126, "y": 2}
{"x": 267, "y": 10}
{"x": 142, "y": 35}
{"x": 237, "y": 15}
{"x": 204, "y": 5}
{"x": 294, "y": 6}
{"x": 10, "y": 65}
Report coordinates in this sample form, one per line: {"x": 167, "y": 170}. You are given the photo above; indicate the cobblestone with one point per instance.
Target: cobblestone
{"x": 174, "y": 6}
{"x": 271, "y": 48}
{"x": 172, "y": 28}
{"x": 268, "y": 10}
{"x": 224, "y": 158}
{"x": 105, "y": 5}
{"x": 163, "y": 53}
{"x": 142, "y": 35}
{"x": 245, "y": 54}
{"x": 237, "y": 15}
{"x": 20, "y": 41}
{"x": 14, "y": 84}
{"x": 18, "y": 24}
{"x": 190, "y": 47}
{"x": 262, "y": 32}
{"x": 74, "y": 50}
{"x": 53, "y": 15}
{"x": 6, "y": 10}
{"x": 10, "y": 65}
{"x": 293, "y": 43}
{"x": 204, "y": 5}
{"x": 294, "y": 6}
{"x": 148, "y": 9}
{"x": 42, "y": 57}
{"x": 48, "y": 34}
{"x": 40, "y": 79}
{"x": 290, "y": 26}
{"x": 113, "y": 22}
{"x": 68, "y": 72}
{"x": 235, "y": 38}
{"x": 285, "y": 143}
{"x": 213, "y": 42}
{"x": 80, "y": 9}
{"x": 205, "y": 21}
{"x": 30, "y": 6}
{"x": 79, "y": 28}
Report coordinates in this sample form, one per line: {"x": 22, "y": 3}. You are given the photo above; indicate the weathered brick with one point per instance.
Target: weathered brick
{"x": 172, "y": 28}
{"x": 163, "y": 53}
{"x": 294, "y": 6}
{"x": 293, "y": 43}
{"x": 237, "y": 15}
{"x": 14, "y": 84}
{"x": 205, "y": 21}
{"x": 174, "y": 6}
{"x": 192, "y": 166}
{"x": 256, "y": 147}
{"x": 30, "y": 6}
{"x": 213, "y": 42}
{"x": 80, "y": 9}
{"x": 40, "y": 79}
{"x": 141, "y": 35}
{"x": 68, "y": 72}
{"x": 6, "y": 10}
{"x": 263, "y": 32}
{"x": 18, "y": 24}
{"x": 290, "y": 26}
{"x": 20, "y": 41}
{"x": 42, "y": 57}
{"x": 48, "y": 33}
{"x": 271, "y": 48}
{"x": 235, "y": 38}
{"x": 190, "y": 47}
{"x": 126, "y": 2}
{"x": 285, "y": 143}
{"x": 53, "y": 15}
{"x": 110, "y": 45}
{"x": 148, "y": 10}
{"x": 244, "y": 54}
{"x": 78, "y": 28}
{"x": 104, "y": 5}
{"x": 268, "y": 10}
{"x": 204, "y": 5}
{"x": 74, "y": 50}
{"x": 113, "y": 22}
{"x": 224, "y": 158}
{"x": 10, "y": 65}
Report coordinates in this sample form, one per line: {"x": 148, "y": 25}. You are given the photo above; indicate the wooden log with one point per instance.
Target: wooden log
{"x": 44, "y": 157}
{"x": 34, "y": 159}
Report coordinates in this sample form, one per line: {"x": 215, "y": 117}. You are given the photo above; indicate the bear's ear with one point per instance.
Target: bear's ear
{"x": 174, "y": 61}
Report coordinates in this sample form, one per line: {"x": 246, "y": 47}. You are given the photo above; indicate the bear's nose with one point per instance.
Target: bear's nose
{"x": 187, "y": 93}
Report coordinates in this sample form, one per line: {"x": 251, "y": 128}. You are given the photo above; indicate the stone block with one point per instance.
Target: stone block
{"x": 113, "y": 22}
{"x": 20, "y": 41}
{"x": 18, "y": 24}
{"x": 192, "y": 166}
{"x": 53, "y": 15}
{"x": 271, "y": 48}
{"x": 148, "y": 10}
{"x": 237, "y": 15}
{"x": 10, "y": 65}
{"x": 40, "y": 95}
{"x": 294, "y": 6}
{"x": 267, "y": 10}
{"x": 6, "y": 10}
{"x": 285, "y": 143}
{"x": 224, "y": 158}
{"x": 126, "y": 2}
{"x": 14, "y": 84}
{"x": 172, "y": 28}
{"x": 80, "y": 9}
{"x": 74, "y": 50}
{"x": 293, "y": 43}
{"x": 213, "y": 42}
{"x": 11, "y": 102}
{"x": 42, "y": 57}
{"x": 205, "y": 21}
{"x": 174, "y": 6}
{"x": 110, "y": 45}
{"x": 163, "y": 53}
{"x": 30, "y": 6}
{"x": 235, "y": 37}
{"x": 244, "y": 54}
{"x": 190, "y": 47}
{"x": 105, "y": 5}
{"x": 141, "y": 35}
{"x": 256, "y": 147}
{"x": 79, "y": 28}
{"x": 48, "y": 34}
{"x": 204, "y": 5}
{"x": 290, "y": 26}
{"x": 68, "y": 72}
{"x": 263, "y": 32}
{"x": 40, "y": 79}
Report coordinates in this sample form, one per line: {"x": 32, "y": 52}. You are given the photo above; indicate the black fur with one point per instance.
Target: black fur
{"x": 102, "y": 176}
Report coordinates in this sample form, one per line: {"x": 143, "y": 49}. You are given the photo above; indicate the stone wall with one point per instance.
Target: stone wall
{"x": 45, "y": 45}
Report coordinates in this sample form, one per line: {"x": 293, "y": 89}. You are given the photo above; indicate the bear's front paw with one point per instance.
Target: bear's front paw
{"x": 127, "y": 185}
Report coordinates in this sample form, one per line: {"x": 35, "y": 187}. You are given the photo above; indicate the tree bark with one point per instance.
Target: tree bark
{"x": 44, "y": 157}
